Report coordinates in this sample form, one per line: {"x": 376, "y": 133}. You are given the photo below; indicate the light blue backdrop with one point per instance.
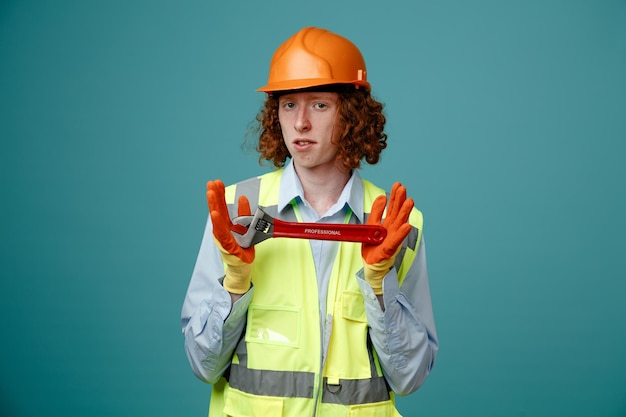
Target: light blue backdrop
{"x": 507, "y": 123}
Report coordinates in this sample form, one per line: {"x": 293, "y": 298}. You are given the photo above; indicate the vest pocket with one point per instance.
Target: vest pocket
{"x": 353, "y": 306}
{"x": 274, "y": 325}
{"x": 349, "y": 329}
{"x": 382, "y": 409}
{"x": 240, "y": 404}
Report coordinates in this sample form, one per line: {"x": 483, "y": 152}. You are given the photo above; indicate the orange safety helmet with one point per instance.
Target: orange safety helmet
{"x": 315, "y": 57}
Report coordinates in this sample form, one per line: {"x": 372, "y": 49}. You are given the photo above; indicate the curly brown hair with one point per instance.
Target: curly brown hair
{"x": 360, "y": 121}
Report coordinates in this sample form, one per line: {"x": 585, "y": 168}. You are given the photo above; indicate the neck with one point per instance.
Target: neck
{"x": 322, "y": 189}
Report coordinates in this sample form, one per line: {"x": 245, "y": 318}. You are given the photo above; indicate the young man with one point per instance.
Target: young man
{"x": 296, "y": 327}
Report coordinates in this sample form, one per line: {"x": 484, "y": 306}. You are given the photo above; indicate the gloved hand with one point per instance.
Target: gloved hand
{"x": 238, "y": 260}
{"x": 378, "y": 259}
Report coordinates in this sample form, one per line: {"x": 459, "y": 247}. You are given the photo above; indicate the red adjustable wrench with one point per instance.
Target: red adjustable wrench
{"x": 250, "y": 230}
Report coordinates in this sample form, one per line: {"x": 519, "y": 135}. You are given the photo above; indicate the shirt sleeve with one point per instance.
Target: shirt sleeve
{"x": 211, "y": 324}
{"x": 403, "y": 335}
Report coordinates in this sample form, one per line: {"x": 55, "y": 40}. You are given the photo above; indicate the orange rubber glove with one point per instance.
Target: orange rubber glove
{"x": 238, "y": 260}
{"x": 380, "y": 258}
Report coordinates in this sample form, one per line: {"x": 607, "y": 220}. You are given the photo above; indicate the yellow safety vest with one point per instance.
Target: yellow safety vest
{"x": 278, "y": 368}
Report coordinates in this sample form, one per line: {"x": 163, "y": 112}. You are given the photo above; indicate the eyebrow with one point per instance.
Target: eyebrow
{"x": 316, "y": 96}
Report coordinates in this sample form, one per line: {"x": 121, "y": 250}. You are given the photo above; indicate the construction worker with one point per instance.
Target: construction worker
{"x": 312, "y": 327}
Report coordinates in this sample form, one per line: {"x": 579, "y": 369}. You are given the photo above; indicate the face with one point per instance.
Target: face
{"x": 307, "y": 120}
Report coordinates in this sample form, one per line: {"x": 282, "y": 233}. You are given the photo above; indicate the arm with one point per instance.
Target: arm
{"x": 402, "y": 328}
{"x": 211, "y": 323}
{"x": 403, "y": 333}
{"x": 218, "y": 297}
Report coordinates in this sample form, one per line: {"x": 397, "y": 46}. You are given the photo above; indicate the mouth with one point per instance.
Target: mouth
{"x": 303, "y": 145}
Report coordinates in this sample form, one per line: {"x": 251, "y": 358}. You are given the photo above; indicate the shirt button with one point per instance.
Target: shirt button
{"x": 218, "y": 337}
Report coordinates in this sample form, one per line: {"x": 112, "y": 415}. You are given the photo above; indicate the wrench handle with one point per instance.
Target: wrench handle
{"x": 365, "y": 233}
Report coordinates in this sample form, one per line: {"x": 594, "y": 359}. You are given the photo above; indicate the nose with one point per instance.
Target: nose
{"x": 302, "y": 123}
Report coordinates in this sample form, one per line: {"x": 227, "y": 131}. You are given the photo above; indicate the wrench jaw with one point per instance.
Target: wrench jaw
{"x": 260, "y": 227}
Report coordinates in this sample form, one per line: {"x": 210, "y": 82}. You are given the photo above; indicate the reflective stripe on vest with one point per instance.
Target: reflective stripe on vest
{"x": 300, "y": 385}
{"x": 272, "y": 383}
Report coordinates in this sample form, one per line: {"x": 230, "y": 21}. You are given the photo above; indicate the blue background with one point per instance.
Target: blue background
{"x": 506, "y": 121}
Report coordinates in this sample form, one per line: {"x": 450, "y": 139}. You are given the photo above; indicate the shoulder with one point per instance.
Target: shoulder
{"x": 371, "y": 191}
{"x": 269, "y": 177}
{"x": 255, "y": 188}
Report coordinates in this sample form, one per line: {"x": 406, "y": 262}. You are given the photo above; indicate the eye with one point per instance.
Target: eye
{"x": 320, "y": 106}
{"x": 288, "y": 105}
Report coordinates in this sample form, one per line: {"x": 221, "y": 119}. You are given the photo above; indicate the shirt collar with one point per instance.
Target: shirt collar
{"x": 291, "y": 188}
